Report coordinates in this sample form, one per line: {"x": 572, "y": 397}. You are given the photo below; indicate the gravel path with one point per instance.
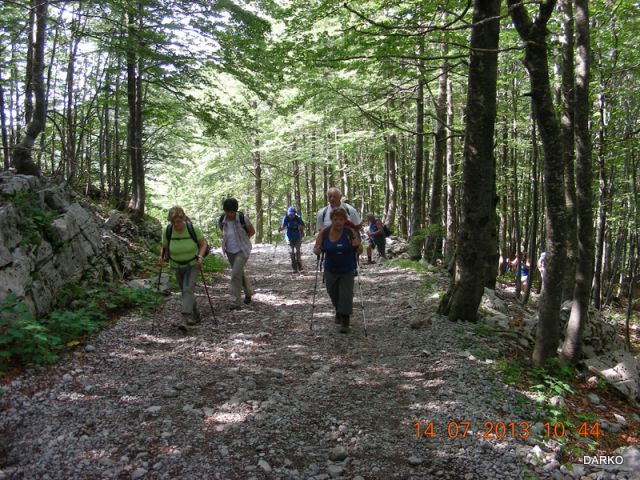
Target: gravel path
{"x": 262, "y": 396}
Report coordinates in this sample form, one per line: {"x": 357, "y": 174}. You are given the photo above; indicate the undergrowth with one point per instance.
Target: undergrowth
{"x": 553, "y": 388}
{"x": 25, "y": 339}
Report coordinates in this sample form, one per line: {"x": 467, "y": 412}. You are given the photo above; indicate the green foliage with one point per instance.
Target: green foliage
{"x": 510, "y": 370}
{"x": 484, "y": 330}
{"x": 25, "y": 339}
{"x": 22, "y": 337}
{"x": 33, "y": 220}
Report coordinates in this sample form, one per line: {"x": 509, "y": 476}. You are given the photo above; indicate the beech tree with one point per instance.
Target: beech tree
{"x": 463, "y": 299}
{"x": 22, "y": 154}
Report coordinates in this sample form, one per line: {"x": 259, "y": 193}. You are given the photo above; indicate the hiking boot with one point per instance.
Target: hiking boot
{"x": 194, "y": 318}
{"x": 344, "y": 327}
{"x": 247, "y": 299}
{"x": 338, "y": 319}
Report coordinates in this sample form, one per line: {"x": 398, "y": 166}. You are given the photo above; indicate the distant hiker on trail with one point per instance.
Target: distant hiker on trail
{"x": 334, "y": 197}
{"x": 338, "y": 243}
{"x": 542, "y": 265}
{"x": 376, "y": 236}
{"x": 523, "y": 260}
{"x": 184, "y": 246}
{"x": 236, "y": 244}
{"x": 294, "y": 231}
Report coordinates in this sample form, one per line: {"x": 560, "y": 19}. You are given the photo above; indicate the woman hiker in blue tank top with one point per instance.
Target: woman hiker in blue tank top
{"x": 339, "y": 245}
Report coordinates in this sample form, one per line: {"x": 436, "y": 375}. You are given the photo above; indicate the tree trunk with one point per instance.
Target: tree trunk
{"x": 415, "y": 244}
{"x": 536, "y": 61}
{"x": 602, "y": 204}
{"x": 435, "y": 230}
{"x": 134, "y": 98}
{"x": 392, "y": 185}
{"x": 257, "y": 168}
{"x": 452, "y": 223}
{"x": 534, "y": 207}
{"x": 22, "y": 155}
{"x": 71, "y": 152}
{"x": 463, "y": 299}
{"x": 567, "y": 93}
{"x": 3, "y": 128}
{"x": 584, "y": 268}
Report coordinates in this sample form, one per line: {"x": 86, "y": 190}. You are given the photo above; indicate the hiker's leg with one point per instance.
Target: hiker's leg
{"x": 381, "y": 245}
{"x": 237, "y": 270}
{"x": 246, "y": 281}
{"x": 332, "y": 282}
{"x": 345, "y": 293}
{"x": 186, "y": 278}
{"x": 298, "y": 246}
{"x": 292, "y": 255}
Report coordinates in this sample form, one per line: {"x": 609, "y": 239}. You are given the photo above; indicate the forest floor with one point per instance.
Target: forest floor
{"x": 262, "y": 395}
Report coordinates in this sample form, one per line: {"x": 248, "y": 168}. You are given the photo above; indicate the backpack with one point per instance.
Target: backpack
{"x": 243, "y": 222}
{"x": 347, "y": 207}
{"x": 387, "y": 231}
{"x": 192, "y": 234}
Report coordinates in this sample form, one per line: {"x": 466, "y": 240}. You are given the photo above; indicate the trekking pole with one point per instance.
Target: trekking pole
{"x": 215, "y": 320}
{"x": 160, "y": 276}
{"x": 315, "y": 288}
{"x": 364, "y": 318}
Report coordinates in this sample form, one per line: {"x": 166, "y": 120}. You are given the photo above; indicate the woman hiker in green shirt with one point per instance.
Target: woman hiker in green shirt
{"x": 185, "y": 257}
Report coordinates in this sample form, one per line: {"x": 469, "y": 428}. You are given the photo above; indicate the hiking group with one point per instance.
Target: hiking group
{"x": 337, "y": 247}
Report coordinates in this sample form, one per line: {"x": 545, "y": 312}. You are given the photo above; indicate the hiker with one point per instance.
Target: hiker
{"x": 294, "y": 231}
{"x": 184, "y": 246}
{"x": 376, "y": 236}
{"x": 339, "y": 244}
{"x": 236, "y": 244}
{"x": 334, "y": 197}
{"x": 542, "y": 263}
{"x": 523, "y": 260}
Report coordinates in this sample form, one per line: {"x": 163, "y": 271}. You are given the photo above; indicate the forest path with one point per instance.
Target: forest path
{"x": 260, "y": 395}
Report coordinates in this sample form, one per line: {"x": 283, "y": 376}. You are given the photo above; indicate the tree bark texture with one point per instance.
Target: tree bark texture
{"x": 451, "y": 217}
{"x": 567, "y": 94}
{"x": 462, "y": 302}
{"x": 536, "y": 61}
{"x": 257, "y": 168}
{"x": 22, "y": 154}
{"x": 435, "y": 231}
{"x": 415, "y": 244}
{"x": 584, "y": 195}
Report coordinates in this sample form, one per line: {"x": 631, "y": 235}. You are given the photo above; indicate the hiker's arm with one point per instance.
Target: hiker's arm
{"x": 379, "y": 231}
{"x": 355, "y": 241}
{"x": 317, "y": 248}
{"x": 250, "y": 230}
{"x": 163, "y": 253}
{"x": 202, "y": 247}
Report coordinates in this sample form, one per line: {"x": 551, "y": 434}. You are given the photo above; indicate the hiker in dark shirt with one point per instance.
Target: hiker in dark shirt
{"x": 339, "y": 244}
{"x": 376, "y": 238}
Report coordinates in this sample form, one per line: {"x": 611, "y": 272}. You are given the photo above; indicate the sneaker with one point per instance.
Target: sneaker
{"x": 247, "y": 299}
{"x": 194, "y": 319}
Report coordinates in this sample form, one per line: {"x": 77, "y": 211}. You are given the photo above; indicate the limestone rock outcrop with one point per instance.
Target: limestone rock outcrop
{"x": 50, "y": 237}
